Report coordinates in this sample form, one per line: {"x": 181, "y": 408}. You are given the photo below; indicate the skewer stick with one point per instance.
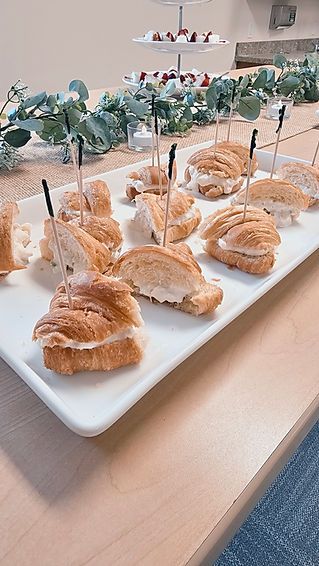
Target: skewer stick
{"x": 153, "y": 129}
{"x": 250, "y": 161}
{"x": 80, "y": 178}
{"x": 172, "y": 155}
{"x": 315, "y": 155}
{"x": 231, "y": 112}
{"x": 70, "y": 142}
{"x": 57, "y": 241}
{"x": 278, "y": 132}
{"x": 158, "y": 134}
{"x": 218, "y": 109}
{"x": 216, "y": 132}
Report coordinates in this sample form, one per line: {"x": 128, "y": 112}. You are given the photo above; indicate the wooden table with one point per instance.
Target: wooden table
{"x": 172, "y": 480}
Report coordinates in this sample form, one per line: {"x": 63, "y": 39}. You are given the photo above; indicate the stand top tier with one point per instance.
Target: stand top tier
{"x": 181, "y": 2}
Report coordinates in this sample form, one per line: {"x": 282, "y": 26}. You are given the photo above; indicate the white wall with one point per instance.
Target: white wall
{"x": 48, "y": 44}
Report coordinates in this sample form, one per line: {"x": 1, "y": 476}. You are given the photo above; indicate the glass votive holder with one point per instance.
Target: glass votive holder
{"x": 275, "y": 104}
{"x": 139, "y": 136}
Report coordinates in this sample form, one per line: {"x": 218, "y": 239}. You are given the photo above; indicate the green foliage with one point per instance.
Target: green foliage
{"x": 298, "y": 79}
{"x": 105, "y": 126}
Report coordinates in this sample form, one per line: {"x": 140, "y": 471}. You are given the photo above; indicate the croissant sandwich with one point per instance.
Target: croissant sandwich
{"x": 168, "y": 275}
{"x": 146, "y": 180}
{"x": 242, "y": 151}
{"x": 248, "y": 245}
{"x": 96, "y": 201}
{"x": 107, "y": 231}
{"x": 279, "y": 198}
{"x": 183, "y": 216}
{"x": 303, "y": 176}
{"x": 101, "y": 331}
{"x": 81, "y": 251}
{"x": 214, "y": 175}
{"x": 14, "y": 239}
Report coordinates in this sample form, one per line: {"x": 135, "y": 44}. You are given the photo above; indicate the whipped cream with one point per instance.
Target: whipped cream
{"x": 283, "y": 214}
{"x": 131, "y": 332}
{"x": 21, "y": 238}
{"x": 162, "y": 293}
{"x": 137, "y": 184}
{"x": 77, "y": 213}
{"x": 206, "y": 179}
{"x": 309, "y": 189}
{"x": 143, "y": 217}
{"x": 225, "y": 245}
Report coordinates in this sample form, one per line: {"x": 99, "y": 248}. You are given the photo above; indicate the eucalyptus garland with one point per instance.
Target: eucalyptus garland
{"x": 105, "y": 126}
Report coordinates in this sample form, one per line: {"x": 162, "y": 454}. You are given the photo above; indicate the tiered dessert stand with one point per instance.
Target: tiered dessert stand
{"x": 180, "y": 48}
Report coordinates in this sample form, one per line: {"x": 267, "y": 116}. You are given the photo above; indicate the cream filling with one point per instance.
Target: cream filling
{"x": 205, "y": 179}
{"x": 77, "y": 213}
{"x": 123, "y": 335}
{"x": 137, "y": 184}
{"x": 305, "y": 188}
{"x": 283, "y": 214}
{"x": 163, "y": 294}
{"x": 225, "y": 245}
{"x": 21, "y": 238}
{"x": 142, "y": 216}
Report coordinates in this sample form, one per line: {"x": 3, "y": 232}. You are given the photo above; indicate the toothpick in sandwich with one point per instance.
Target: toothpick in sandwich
{"x": 80, "y": 178}
{"x": 278, "y": 132}
{"x": 218, "y": 109}
{"x": 158, "y": 153}
{"x": 153, "y": 129}
{"x": 57, "y": 241}
{"x": 70, "y": 142}
{"x": 251, "y": 155}
{"x": 231, "y": 111}
{"x": 315, "y": 155}
{"x": 172, "y": 155}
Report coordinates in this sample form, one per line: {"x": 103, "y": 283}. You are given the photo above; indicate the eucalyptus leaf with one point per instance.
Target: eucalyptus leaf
{"x": 136, "y": 107}
{"x": 30, "y": 124}
{"x": 288, "y": 85}
{"x": 79, "y": 87}
{"x": 169, "y": 89}
{"x": 17, "y": 137}
{"x": 244, "y": 82}
{"x": 34, "y": 100}
{"x": 249, "y": 107}
{"x": 279, "y": 61}
{"x": 53, "y": 131}
{"x": 261, "y": 80}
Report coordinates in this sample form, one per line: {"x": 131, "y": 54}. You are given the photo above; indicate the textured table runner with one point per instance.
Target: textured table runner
{"x": 42, "y": 160}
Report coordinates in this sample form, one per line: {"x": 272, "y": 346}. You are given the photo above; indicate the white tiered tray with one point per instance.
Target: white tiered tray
{"x": 181, "y": 2}
{"x": 178, "y": 48}
{"x": 135, "y": 85}
{"x": 89, "y": 403}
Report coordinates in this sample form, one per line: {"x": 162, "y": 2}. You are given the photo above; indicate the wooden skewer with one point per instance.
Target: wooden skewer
{"x": 80, "y": 178}
{"x": 70, "y": 142}
{"x": 158, "y": 153}
{"x": 231, "y": 112}
{"x": 315, "y": 155}
{"x": 278, "y": 132}
{"x": 172, "y": 155}
{"x": 153, "y": 129}
{"x": 250, "y": 161}
{"x": 218, "y": 109}
{"x": 216, "y": 132}
{"x": 57, "y": 241}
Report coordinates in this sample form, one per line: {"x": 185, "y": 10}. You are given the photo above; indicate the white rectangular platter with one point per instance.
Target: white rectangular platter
{"x": 89, "y": 403}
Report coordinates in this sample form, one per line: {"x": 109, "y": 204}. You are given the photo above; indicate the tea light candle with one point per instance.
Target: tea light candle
{"x": 143, "y": 137}
{"x": 274, "y": 105}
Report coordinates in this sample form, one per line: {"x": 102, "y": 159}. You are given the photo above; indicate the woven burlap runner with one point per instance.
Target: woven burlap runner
{"x": 42, "y": 160}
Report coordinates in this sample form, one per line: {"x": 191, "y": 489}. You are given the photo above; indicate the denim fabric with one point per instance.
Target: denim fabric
{"x": 283, "y": 529}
